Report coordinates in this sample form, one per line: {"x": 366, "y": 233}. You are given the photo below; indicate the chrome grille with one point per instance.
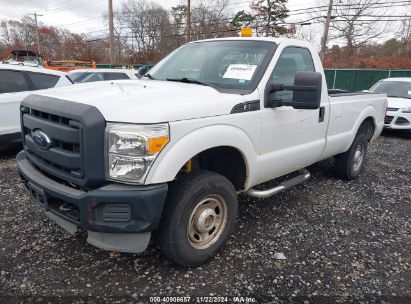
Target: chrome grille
{"x": 63, "y": 158}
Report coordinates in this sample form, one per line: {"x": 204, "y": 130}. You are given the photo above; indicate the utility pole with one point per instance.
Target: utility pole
{"x": 111, "y": 30}
{"x": 37, "y": 30}
{"x": 326, "y": 28}
{"x": 188, "y": 20}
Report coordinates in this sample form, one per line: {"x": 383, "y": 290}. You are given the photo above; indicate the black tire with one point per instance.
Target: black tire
{"x": 183, "y": 200}
{"x": 346, "y": 164}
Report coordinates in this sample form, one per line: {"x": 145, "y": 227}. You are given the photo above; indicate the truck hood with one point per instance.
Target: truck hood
{"x": 148, "y": 101}
{"x": 394, "y": 102}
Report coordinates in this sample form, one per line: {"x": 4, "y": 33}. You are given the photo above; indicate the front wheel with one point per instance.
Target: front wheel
{"x": 351, "y": 163}
{"x": 198, "y": 218}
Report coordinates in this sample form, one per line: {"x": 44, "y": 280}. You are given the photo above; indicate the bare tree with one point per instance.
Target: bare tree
{"x": 405, "y": 30}
{"x": 121, "y": 36}
{"x": 210, "y": 19}
{"x": 148, "y": 23}
{"x": 307, "y": 32}
{"x": 21, "y": 33}
{"x": 357, "y": 21}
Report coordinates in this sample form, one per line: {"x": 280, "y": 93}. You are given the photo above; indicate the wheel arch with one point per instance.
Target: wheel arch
{"x": 366, "y": 119}
{"x": 210, "y": 140}
{"x": 368, "y": 126}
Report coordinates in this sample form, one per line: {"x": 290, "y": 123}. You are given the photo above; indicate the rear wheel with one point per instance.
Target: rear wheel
{"x": 198, "y": 218}
{"x": 351, "y": 163}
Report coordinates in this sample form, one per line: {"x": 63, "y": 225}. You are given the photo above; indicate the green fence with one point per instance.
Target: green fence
{"x": 112, "y": 66}
{"x": 359, "y": 79}
{"x": 344, "y": 79}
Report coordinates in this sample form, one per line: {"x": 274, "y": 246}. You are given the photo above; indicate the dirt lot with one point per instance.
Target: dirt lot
{"x": 344, "y": 242}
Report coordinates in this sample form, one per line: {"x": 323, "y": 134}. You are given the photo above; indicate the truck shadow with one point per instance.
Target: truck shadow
{"x": 10, "y": 151}
{"x": 406, "y": 134}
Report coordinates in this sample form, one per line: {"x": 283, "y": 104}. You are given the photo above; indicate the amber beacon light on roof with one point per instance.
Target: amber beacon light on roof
{"x": 246, "y": 32}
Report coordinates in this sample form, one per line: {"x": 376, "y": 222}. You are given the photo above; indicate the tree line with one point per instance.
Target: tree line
{"x": 145, "y": 32}
{"x": 56, "y": 43}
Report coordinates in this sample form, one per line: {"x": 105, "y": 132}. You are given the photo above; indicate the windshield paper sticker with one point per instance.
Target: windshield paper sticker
{"x": 240, "y": 71}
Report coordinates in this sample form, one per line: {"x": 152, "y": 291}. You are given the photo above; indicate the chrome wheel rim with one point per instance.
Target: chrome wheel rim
{"x": 207, "y": 222}
{"x": 358, "y": 157}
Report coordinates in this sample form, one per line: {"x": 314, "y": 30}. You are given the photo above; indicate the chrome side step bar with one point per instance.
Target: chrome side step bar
{"x": 304, "y": 175}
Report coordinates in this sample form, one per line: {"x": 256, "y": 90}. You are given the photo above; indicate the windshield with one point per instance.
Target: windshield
{"x": 221, "y": 64}
{"x": 393, "y": 88}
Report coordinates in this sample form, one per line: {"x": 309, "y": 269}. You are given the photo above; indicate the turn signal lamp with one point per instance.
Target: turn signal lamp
{"x": 156, "y": 144}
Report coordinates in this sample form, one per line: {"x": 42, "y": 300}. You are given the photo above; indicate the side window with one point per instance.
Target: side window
{"x": 12, "y": 81}
{"x": 43, "y": 81}
{"x": 291, "y": 60}
{"x": 115, "y": 76}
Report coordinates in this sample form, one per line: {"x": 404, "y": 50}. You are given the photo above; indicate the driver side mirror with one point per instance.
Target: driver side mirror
{"x": 142, "y": 71}
{"x": 306, "y": 91}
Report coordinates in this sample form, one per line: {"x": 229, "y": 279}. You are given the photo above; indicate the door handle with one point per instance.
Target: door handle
{"x": 322, "y": 114}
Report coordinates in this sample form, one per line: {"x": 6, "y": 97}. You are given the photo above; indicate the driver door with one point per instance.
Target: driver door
{"x": 291, "y": 138}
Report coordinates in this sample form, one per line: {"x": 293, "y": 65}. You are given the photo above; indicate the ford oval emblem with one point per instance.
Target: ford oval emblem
{"x": 41, "y": 139}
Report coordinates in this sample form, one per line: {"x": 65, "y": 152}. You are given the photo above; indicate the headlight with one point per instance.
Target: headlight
{"x": 406, "y": 110}
{"x": 132, "y": 149}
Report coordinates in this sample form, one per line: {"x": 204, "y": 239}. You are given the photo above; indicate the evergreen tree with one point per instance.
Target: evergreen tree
{"x": 269, "y": 16}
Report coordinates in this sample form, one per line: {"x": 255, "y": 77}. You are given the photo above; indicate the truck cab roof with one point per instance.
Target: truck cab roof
{"x": 267, "y": 39}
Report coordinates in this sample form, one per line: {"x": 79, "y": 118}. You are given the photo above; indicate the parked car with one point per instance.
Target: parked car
{"x": 213, "y": 119}
{"x": 398, "y": 91}
{"x": 16, "y": 82}
{"x": 26, "y": 58}
{"x": 92, "y": 75}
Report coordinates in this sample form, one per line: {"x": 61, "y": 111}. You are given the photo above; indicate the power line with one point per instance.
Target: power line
{"x": 54, "y": 10}
{"x": 296, "y": 12}
{"x": 382, "y": 18}
{"x": 89, "y": 20}
{"x": 58, "y": 9}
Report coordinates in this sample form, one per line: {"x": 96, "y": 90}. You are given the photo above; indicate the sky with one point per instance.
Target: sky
{"x": 81, "y": 16}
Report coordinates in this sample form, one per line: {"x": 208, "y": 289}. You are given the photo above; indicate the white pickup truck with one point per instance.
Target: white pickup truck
{"x": 169, "y": 153}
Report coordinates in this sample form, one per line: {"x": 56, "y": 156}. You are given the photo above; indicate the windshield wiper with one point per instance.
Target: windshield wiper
{"x": 188, "y": 80}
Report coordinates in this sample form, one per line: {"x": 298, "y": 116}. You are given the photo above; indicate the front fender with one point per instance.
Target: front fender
{"x": 177, "y": 153}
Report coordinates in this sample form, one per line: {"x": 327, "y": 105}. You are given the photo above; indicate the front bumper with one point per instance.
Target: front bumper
{"x": 397, "y": 120}
{"x": 116, "y": 217}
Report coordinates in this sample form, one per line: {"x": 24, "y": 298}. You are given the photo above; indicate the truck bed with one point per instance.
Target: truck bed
{"x": 347, "y": 111}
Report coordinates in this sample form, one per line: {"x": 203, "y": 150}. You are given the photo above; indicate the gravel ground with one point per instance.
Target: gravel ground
{"x": 343, "y": 242}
